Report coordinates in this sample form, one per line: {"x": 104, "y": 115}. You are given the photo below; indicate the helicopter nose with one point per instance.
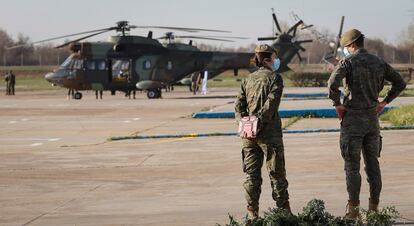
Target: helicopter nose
{"x": 50, "y": 77}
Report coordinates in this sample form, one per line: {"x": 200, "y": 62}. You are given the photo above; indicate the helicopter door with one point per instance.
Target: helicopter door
{"x": 121, "y": 71}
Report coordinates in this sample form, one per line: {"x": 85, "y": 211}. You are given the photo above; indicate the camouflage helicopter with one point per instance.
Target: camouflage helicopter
{"x": 126, "y": 62}
{"x": 286, "y": 44}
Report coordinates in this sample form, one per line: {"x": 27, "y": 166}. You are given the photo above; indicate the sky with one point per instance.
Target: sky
{"x": 41, "y": 19}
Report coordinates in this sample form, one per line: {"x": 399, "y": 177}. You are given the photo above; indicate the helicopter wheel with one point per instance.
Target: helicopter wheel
{"x": 77, "y": 96}
{"x": 154, "y": 93}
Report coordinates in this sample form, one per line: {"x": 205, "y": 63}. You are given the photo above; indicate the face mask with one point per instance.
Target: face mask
{"x": 346, "y": 52}
{"x": 276, "y": 64}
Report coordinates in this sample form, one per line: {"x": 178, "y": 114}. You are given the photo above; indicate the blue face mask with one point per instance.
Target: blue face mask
{"x": 346, "y": 51}
{"x": 276, "y": 64}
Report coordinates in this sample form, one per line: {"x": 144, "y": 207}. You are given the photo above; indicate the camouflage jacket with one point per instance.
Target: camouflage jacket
{"x": 363, "y": 76}
{"x": 260, "y": 95}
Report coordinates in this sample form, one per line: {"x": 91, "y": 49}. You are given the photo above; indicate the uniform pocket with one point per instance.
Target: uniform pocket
{"x": 344, "y": 145}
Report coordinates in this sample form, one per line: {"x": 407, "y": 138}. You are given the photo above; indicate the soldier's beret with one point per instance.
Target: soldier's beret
{"x": 349, "y": 37}
{"x": 264, "y": 48}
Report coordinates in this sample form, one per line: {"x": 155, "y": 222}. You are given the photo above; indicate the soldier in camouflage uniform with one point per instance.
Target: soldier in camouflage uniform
{"x": 260, "y": 96}
{"x": 363, "y": 75}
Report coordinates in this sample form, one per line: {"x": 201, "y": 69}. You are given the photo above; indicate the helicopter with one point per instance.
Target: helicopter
{"x": 126, "y": 62}
{"x": 286, "y": 44}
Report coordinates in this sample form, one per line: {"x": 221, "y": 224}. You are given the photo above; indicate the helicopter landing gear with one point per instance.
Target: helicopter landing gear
{"x": 77, "y": 96}
{"x": 154, "y": 93}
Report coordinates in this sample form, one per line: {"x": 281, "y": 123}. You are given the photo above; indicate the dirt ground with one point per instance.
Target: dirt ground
{"x": 58, "y": 169}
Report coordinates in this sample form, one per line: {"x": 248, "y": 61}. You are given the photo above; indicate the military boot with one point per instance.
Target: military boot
{"x": 352, "y": 210}
{"x": 252, "y": 214}
{"x": 373, "y": 205}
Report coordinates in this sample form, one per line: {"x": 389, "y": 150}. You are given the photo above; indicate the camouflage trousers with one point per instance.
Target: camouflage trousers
{"x": 253, "y": 153}
{"x": 360, "y": 132}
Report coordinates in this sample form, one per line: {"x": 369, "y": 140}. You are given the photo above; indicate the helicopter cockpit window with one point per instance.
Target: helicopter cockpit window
{"x": 169, "y": 65}
{"x": 147, "y": 64}
{"x": 90, "y": 65}
{"x": 67, "y": 63}
{"x": 78, "y": 64}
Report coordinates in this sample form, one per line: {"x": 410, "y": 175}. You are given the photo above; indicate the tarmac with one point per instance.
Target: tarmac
{"x": 57, "y": 167}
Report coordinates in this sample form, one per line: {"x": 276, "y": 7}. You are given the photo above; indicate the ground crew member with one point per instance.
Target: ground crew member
{"x": 195, "y": 82}
{"x": 100, "y": 92}
{"x": 7, "y": 82}
{"x": 260, "y": 96}
{"x": 12, "y": 83}
{"x": 364, "y": 75}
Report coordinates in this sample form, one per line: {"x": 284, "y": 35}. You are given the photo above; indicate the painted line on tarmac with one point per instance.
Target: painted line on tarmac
{"x": 31, "y": 139}
{"x": 36, "y": 144}
{"x": 192, "y": 135}
{"x": 283, "y": 113}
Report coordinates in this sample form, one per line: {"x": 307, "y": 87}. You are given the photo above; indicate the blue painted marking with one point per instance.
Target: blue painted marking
{"x": 284, "y": 113}
{"x": 304, "y": 95}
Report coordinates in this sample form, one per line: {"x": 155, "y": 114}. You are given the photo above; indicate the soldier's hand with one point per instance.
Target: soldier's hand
{"x": 340, "y": 110}
{"x": 381, "y": 106}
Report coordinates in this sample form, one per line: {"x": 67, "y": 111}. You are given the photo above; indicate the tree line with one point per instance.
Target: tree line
{"x": 401, "y": 52}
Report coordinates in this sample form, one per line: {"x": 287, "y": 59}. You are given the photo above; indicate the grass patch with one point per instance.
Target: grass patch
{"x": 291, "y": 121}
{"x": 314, "y": 214}
{"x": 402, "y": 116}
{"x": 36, "y": 83}
{"x": 408, "y": 92}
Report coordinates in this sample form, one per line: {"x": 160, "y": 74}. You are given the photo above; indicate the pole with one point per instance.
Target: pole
{"x": 308, "y": 58}
{"x": 40, "y": 60}
{"x": 21, "y": 59}
{"x": 4, "y": 60}
{"x": 58, "y": 59}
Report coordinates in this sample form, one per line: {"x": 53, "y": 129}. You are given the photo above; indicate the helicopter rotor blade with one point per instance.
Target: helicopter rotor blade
{"x": 338, "y": 38}
{"x": 304, "y": 41}
{"x": 266, "y": 38}
{"x": 299, "y": 57}
{"x": 301, "y": 48}
{"x": 79, "y": 39}
{"x": 307, "y": 26}
{"x": 58, "y": 37}
{"x": 294, "y": 27}
{"x": 187, "y": 29}
{"x": 276, "y": 22}
{"x": 205, "y": 38}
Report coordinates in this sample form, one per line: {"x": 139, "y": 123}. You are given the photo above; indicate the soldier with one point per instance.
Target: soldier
{"x": 195, "y": 81}
{"x": 363, "y": 75}
{"x": 12, "y": 82}
{"x": 100, "y": 92}
{"x": 260, "y": 96}
{"x": 7, "y": 82}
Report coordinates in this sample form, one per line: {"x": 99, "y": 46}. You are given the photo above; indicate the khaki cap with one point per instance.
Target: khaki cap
{"x": 350, "y": 36}
{"x": 265, "y": 48}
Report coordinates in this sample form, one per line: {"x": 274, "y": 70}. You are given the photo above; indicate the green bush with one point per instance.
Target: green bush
{"x": 308, "y": 79}
{"x": 314, "y": 214}
{"x": 402, "y": 116}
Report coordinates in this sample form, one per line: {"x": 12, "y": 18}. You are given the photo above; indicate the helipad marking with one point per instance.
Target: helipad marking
{"x": 36, "y": 144}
